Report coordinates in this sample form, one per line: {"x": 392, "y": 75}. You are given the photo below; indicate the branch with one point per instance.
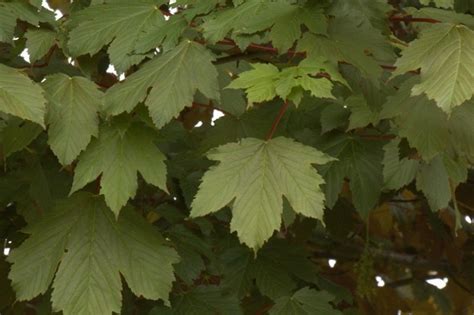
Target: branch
{"x": 277, "y": 120}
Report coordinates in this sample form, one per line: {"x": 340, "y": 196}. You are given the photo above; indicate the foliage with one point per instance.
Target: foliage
{"x": 345, "y": 133}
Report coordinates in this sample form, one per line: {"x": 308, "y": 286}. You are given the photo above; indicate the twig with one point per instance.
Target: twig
{"x": 277, "y": 120}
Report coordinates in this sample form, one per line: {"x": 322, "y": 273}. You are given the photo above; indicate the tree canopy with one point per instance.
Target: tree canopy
{"x": 236, "y": 157}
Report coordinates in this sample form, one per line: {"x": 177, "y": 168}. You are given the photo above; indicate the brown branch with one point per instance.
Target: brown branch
{"x": 277, "y": 120}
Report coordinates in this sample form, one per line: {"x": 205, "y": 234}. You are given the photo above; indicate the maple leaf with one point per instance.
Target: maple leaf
{"x": 118, "y": 154}
{"x": 439, "y": 3}
{"x": 92, "y": 250}
{"x": 264, "y": 82}
{"x": 73, "y": 106}
{"x": 10, "y": 12}
{"x": 305, "y": 301}
{"x": 444, "y": 53}
{"x": 174, "y": 79}
{"x": 257, "y": 174}
{"x": 21, "y": 97}
{"x": 39, "y": 42}
{"x": 284, "y": 20}
{"x": 118, "y": 24}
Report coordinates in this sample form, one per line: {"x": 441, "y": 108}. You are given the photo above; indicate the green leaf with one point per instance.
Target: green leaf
{"x": 10, "y": 12}
{"x": 364, "y": 11}
{"x": 92, "y": 249}
{"x": 21, "y": 97}
{"x": 191, "y": 248}
{"x": 284, "y": 21}
{"x": 426, "y": 128}
{"x": 223, "y": 22}
{"x": 433, "y": 181}
{"x": 444, "y": 54}
{"x": 232, "y": 101}
{"x": 259, "y": 83}
{"x": 39, "y": 42}
{"x": 349, "y": 41}
{"x": 118, "y": 154}
{"x": 17, "y": 135}
{"x": 118, "y": 24}
{"x": 274, "y": 269}
{"x": 73, "y": 104}
{"x": 397, "y": 172}
{"x": 361, "y": 162}
{"x": 174, "y": 79}
{"x": 419, "y": 120}
{"x": 462, "y": 130}
{"x": 206, "y": 300}
{"x": 264, "y": 82}
{"x": 439, "y": 3}
{"x": 305, "y": 302}
{"x": 257, "y": 174}
{"x": 362, "y": 115}
{"x": 164, "y": 34}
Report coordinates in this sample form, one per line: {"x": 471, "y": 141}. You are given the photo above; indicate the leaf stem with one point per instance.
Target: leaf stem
{"x": 277, "y": 120}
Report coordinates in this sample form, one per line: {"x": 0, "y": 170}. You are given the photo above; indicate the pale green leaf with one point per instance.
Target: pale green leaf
{"x": 257, "y": 174}
{"x": 118, "y": 154}
{"x": 259, "y": 83}
{"x": 39, "y": 42}
{"x": 73, "y": 104}
{"x": 264, "y": 82}
{"x": 174, "y": 79}
{"x": 21, "y": 97}
{"x": 445, "y": 55}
